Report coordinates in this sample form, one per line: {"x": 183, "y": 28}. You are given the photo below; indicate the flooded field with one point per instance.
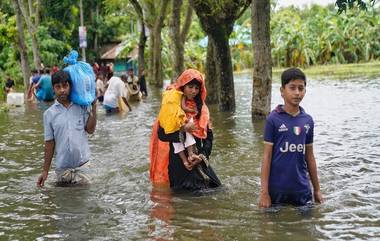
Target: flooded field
{"x": 121, "y": 204}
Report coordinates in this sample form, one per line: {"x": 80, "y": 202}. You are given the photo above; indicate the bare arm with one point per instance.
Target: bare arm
{"x": 49, "y": 152}
{"x": 264, "y": 200}
{"x": 126, "y": 102}
{"x": 312, "y": 168}
{"x": 91, "y": 122}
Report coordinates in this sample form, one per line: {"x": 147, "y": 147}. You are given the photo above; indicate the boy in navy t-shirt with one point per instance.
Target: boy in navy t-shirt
{"x": 288, "y": 159}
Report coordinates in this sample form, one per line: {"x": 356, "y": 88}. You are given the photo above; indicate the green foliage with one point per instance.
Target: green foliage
{"x": 4, "y": 107}
{"x": 343, "y": 5}
{"x": 130, "y": 41}
{"x": 8, "y": 54}
{"x": 317, "y": 35}
{"x": 51, "y": 49}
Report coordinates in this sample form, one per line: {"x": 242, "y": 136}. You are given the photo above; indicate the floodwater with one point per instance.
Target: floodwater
{"x": 120, "y": 204}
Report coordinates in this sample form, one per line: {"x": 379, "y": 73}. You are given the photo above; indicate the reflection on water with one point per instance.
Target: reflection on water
{"x": 121, "y": 204}
{"x": 162, "y": 213}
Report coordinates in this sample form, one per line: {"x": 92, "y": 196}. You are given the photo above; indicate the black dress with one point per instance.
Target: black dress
{"x": 201, "y": 177}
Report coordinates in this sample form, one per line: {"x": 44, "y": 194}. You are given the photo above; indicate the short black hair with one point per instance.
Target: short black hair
{"x": 124, "y": 77}
{"x": 292, "y": 74}
{"x": 60, "y": 76}
{"x": 194, "y": 82}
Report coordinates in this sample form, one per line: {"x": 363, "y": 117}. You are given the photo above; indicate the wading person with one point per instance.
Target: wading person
{"x": 166, "y": 165}
{"x": 115, "y": 96}
{"x": 288, "y": 158}
{"x": 66, "y": 126}
{"x": 9, "y": 85}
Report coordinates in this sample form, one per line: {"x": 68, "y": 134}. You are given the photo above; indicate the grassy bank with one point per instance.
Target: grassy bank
{"x": 337, "y": 71}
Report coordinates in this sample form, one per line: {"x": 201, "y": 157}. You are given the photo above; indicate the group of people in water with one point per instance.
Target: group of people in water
{"x": 182, "y": 138}
{"x": 40, "y": 86}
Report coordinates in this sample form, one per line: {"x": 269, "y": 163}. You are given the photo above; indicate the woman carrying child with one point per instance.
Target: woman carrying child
{"x": 181, "y": 141}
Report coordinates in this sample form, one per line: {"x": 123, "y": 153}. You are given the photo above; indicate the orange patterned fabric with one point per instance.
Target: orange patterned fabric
{"x": 158, "y": 150}
{"x": 159, "y": 158}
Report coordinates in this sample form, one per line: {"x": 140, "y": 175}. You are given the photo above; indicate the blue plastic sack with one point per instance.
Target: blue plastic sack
{"x": 83, "y": 85}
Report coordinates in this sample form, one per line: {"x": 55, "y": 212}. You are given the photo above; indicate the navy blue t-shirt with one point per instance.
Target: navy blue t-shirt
{"x": 289, "y": 136}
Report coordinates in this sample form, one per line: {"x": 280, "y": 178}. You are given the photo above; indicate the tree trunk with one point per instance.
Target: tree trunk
{"x": 142, "y": 39}
{"x": 212, "y": 81}
{"x": 96, "y": 33}
{"x": 224, "y": 72}
{"x": 157, "y": 59}
{"x": 151, "y": 56}
{"x": 262, "y": 65}
{"x": 37, "y": 13}
{"x": 32, "y": 29}
{"x": 21, "y": 45}
{"x": 179, "y": 37}
{"x": 177, "y": 42}
{"x": 30, "y": 5}
{"x": 141, "y": 58}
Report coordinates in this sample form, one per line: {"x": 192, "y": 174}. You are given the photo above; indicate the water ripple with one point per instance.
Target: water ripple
{"x": 121, "y": 204}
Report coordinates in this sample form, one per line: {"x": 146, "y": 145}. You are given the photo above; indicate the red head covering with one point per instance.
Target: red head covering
{"x": 189, "y": 75}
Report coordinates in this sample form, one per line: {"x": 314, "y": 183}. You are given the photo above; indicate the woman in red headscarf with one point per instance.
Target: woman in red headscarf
{"x": 166, "y": 166}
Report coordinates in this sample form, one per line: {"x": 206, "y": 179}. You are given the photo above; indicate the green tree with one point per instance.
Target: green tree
{"x": 217, "y": 20}
{"x": 20, "y": 39}
{"x": 343, "y": 5}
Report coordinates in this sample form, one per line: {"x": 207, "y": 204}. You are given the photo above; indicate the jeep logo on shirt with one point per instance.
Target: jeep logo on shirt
{"x": 293, "y": 148}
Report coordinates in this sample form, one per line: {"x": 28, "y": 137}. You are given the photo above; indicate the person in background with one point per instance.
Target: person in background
{"x": 34, "y": 78}
{"x": 103, "y": 70}
{"x": 288, "y": 159}
{"x": 9, "y": 85}
{"x": 44, "y": 88}
{"x": 54, "y": 69}
{"x": 109, "y": 68}
{"x": 100, "y": 88}
{"x": 132, "y": 78}
{"x": 142, "y": 83}
{"x": 66, "y": 126}
{"x": 96, "y": 68}
{"x": 115, "y": 91}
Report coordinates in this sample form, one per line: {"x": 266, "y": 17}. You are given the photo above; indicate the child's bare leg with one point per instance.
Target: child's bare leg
{"x": 185, "y": 161}
{"x": 190, "y": 153}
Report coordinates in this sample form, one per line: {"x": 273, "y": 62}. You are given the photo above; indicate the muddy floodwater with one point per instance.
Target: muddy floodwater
{"x": 121, "y": 204}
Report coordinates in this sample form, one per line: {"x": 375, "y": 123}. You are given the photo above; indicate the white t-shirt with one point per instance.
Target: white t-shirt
{"x": 99, "y": 87}
{"x": 133, "y": 80}
{"x": 116, "y": 89}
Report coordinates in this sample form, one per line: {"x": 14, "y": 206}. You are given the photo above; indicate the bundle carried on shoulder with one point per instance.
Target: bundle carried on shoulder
{"x": 83, "y": 85}
{"x": 171, "y": 116}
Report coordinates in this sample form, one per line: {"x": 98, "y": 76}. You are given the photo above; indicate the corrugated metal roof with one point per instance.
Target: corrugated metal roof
{"x": 116, "y": 50}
